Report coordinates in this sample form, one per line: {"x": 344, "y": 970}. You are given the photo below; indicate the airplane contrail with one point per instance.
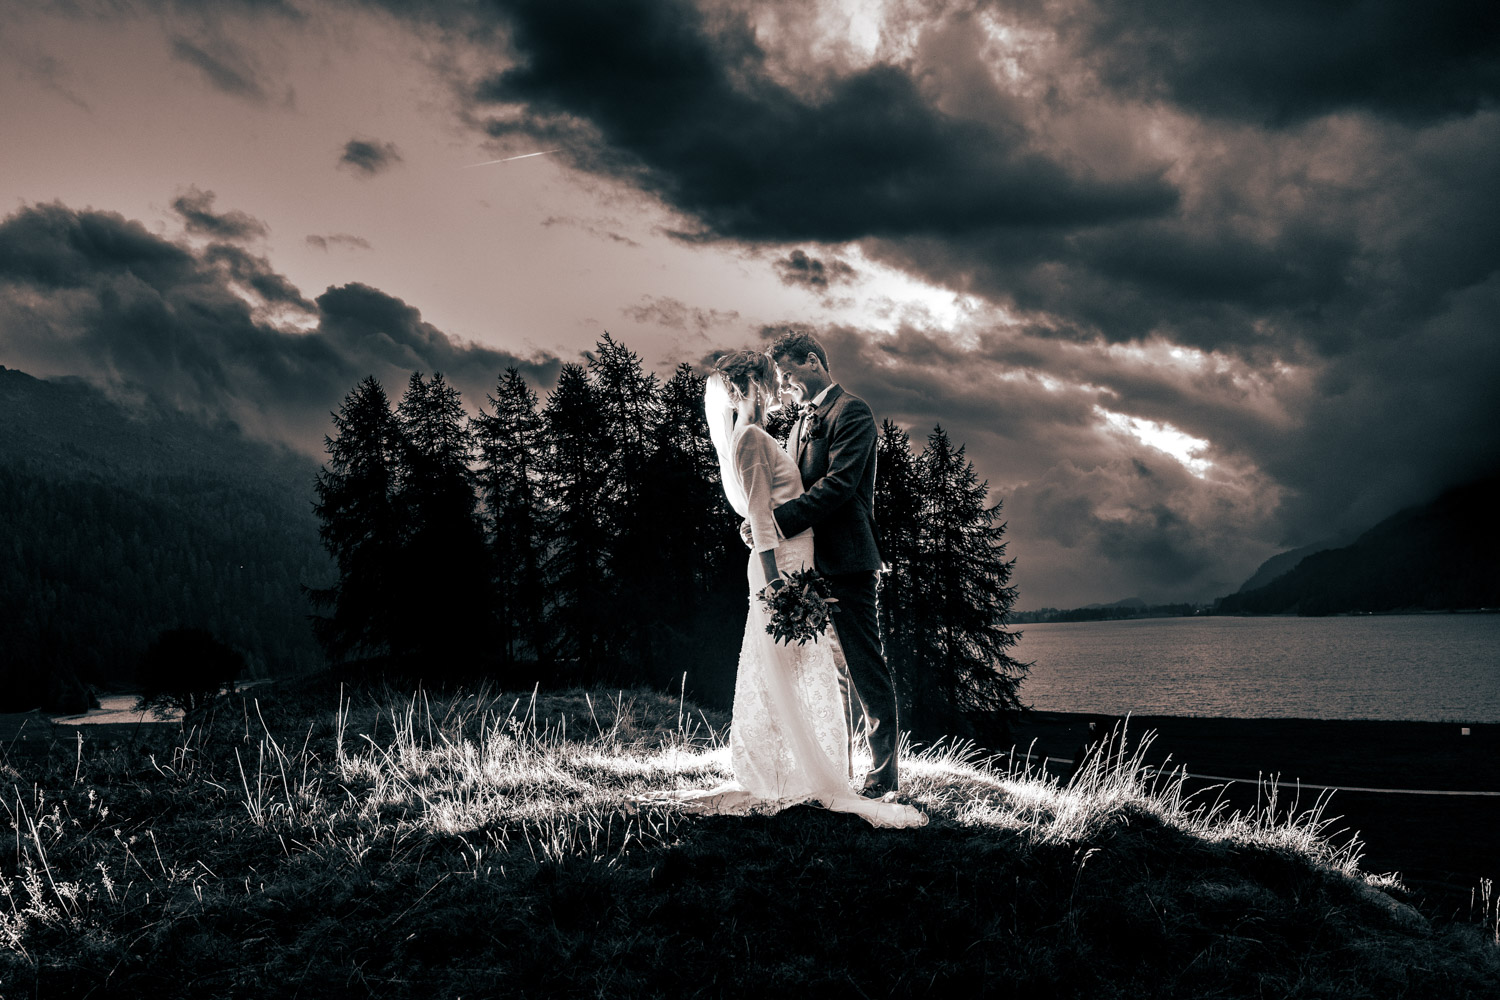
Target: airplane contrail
{"x": 509, "y": 158}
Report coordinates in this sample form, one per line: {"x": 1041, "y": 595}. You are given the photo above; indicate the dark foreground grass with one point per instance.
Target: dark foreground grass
{"x": 307, "y": 844}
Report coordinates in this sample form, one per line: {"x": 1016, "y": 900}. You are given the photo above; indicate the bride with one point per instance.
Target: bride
{"x": 789, "y": 738}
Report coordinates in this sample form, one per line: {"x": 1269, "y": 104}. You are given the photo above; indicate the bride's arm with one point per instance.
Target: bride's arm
{"x": 768, "y": 566}
{"x": 753, "y": 463}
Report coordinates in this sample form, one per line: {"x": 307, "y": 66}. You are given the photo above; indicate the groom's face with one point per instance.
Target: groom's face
{"x": 794, "y": 377}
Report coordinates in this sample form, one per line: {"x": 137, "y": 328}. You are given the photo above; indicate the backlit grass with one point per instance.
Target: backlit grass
{"x": 326, "y": 843}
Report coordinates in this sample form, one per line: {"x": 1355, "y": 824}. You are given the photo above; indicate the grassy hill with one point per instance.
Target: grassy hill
{"x": 393, "y": 845}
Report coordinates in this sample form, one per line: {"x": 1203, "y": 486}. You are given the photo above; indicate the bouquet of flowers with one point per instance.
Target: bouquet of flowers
{"x": 801, "y": 610}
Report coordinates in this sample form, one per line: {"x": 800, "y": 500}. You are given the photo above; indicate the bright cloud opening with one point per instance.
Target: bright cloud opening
{"x": 895, "y": 298}
{"x": 1163, "y": 437}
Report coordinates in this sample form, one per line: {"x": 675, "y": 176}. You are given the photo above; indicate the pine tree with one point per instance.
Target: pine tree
{"x": 698, "y": 526}
{"x": 696, "y": 611}
{"x": 360, "y": 527}
{"x": 629, "y": 410}
{"x": 628, "y": 415}
{"x": 573, "y": 488}
{"x": 961, "y": 597}
{"x": 509, "y": 441}
{"x": 898, "y": 507}
{"x": 445, "y": 582}
{"x": 779, "y": 422}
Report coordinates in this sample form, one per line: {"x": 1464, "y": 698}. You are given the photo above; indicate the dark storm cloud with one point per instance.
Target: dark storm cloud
{"x": 1397, "y": 421}
{"x": 797, "y": 268}
{"x": 684, "y": 106}
{"x": 224, "y": 65}
{"x": 338, "y": 240}
{"x": 368, "y": 157}
{"x": 1095, "y": 512}
{"x": 1093, "y": 515}
{"x": 1374, "y": 287}
{"x": 256, "y": 273}
{"x": 919, "y": 378}
{"x": 1303, "y": 193}
{"x": 1267, "y": 60}
{"x": 197, "y": 210}
{"x": 94, "y": 294}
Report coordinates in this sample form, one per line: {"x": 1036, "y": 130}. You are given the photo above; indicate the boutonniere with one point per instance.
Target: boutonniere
{"x": 815, "y": 427}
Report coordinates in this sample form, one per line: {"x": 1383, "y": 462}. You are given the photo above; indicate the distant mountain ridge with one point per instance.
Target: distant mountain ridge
{"x": 122, "y": 520}
{"x": 1285, "y": 562}
{"x": 1442, "y": 555}
{"x": 1127, "y": 602}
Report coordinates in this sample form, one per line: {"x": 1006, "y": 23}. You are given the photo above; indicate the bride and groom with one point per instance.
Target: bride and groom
{"x": 808, "y": 505}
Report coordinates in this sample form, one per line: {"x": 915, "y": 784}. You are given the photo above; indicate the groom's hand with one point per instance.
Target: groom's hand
{"x": 746, "y": 534}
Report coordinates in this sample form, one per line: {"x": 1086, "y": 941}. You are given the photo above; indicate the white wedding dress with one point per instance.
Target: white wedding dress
{"x": 789, "y": 739}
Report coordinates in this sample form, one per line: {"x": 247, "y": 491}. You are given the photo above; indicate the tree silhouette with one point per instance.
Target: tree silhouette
{"x": 898, "y": 507}
{"x": 186, "y": 669}
{"x": 697, "y": 562}
{"x": 698, "y": 532}
{"x": 628, "y": 412}
{"x": 444, "y": 579}
{"x": 961, "y": 597}
{"x": 509, "y": 442}
{"x": 780, "y": 420}
{"x": 573, "y": 485}
{"x": 361, "y": 528}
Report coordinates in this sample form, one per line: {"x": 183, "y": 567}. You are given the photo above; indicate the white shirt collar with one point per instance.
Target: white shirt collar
{"x": 818, "y": 399}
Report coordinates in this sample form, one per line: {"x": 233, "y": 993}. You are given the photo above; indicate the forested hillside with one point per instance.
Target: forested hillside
{"x": 1438, "y": 556}
{"x": 118, "y": 521}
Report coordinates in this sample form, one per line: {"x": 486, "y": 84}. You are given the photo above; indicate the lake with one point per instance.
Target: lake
{"x": 1426, "y": 668}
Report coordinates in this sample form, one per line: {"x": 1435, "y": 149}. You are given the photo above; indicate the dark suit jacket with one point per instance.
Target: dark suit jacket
{"x": 837, "y": 462}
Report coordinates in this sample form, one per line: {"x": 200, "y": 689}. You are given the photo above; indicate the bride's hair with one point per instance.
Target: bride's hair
{"x": 724, "y": 389}
{"x": 737, "y": 368}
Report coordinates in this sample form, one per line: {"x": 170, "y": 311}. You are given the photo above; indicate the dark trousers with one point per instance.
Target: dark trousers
{"x": 870, "y": 689}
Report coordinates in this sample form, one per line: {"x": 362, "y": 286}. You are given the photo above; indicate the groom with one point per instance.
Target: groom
{"x": 834, "y": 448}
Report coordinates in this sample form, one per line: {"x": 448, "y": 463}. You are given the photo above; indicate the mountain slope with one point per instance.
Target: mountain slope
{"x": 119, "y": 521}
{"x": 1285, "y": 562}
{"x": 1436, "y": 556}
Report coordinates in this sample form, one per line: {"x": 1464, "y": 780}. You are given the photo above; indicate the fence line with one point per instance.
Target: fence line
{"x": 1290, "y": 784}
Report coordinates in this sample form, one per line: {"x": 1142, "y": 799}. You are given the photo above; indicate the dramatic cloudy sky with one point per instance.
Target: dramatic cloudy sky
{"x": 1193, "y": 282}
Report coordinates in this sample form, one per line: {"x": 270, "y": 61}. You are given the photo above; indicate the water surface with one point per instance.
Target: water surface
{"x": 1433, "y": 668}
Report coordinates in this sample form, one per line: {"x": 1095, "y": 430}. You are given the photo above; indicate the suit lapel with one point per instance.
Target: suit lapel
{"x": 821, "y": 409}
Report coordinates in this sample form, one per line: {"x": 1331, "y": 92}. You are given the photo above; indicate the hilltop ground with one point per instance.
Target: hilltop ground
{"x": 1442, "y": 845}
{"x": 310, "y": 844}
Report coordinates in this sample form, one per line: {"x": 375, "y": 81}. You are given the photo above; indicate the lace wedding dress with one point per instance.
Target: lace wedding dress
{"x": 789, "y": 738}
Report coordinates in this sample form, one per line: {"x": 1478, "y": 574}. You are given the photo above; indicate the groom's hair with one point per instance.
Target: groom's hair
{"x": 797, "y": 345}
